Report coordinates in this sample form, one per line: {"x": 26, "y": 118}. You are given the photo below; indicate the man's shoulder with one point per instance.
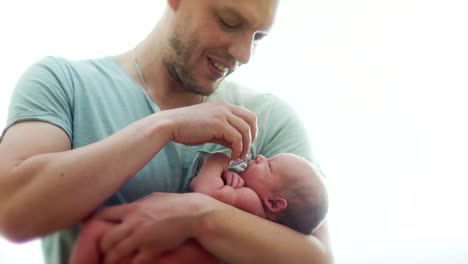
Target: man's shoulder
{"x": 49, "y": 64}
{"x": 69, "y": 66}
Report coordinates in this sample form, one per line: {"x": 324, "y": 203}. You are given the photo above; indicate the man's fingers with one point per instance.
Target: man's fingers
{"x": 124, "y": 248}
{"x": 147, "y": 255}
{"x": 114, "y": 213}
{"x": 240, "y": 130}
{"x": 250, "y": 118}
{"x": 216, "y": 122}
{"x": 244, "y": 137}
{"x": 114, "y": 236}
{"x": 233, "y": 139}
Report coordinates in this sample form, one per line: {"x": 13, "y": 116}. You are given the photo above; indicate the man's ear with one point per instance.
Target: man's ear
{"x": 276, "y": 204}
{"x": 174, "y": 4}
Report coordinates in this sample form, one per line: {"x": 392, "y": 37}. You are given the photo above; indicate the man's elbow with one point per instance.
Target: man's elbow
{"x": 13, "y": 221}
{"x": 18, "y": 223}
{"x": 15, "y": 229}
{"x": 15, "y": 236}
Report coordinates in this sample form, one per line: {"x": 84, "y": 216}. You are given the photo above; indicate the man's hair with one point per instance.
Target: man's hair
{"x": 307, "y": 205}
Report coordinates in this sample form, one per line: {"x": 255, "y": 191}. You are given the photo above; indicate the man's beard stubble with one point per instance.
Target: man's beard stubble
{"x": 176, "y": 61}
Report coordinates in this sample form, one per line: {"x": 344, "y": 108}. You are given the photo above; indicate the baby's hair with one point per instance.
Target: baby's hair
{"x": 307, "y": 205}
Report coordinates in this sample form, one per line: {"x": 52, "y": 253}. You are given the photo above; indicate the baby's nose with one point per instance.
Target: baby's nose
{"x": 259, "y": 158}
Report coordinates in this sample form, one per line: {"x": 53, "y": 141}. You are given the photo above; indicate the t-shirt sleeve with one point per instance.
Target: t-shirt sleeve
{"x": 43, "y": 94}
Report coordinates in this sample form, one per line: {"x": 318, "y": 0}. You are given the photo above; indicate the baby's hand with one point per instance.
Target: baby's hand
{"x": 232, "y": 179}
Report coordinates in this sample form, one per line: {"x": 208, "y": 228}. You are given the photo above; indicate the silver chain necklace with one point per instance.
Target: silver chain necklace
{"x": 140, "y": 72}
{"x": 142, "y": 78}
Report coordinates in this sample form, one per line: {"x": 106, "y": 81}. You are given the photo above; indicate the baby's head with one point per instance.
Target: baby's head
{"x": 291, "y": 190}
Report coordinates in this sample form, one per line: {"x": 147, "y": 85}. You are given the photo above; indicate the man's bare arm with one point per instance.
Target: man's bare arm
{"x": 232, "y": 235}
{"x": 42, "y": 179}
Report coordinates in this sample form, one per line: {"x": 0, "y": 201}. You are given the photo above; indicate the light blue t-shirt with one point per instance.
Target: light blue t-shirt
{"x": 92, "y": 99}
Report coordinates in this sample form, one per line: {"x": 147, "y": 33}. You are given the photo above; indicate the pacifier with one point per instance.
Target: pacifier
{"x": 239, "y": 165}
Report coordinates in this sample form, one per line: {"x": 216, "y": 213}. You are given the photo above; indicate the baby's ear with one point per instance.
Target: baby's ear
{"x": 276, "y": 204}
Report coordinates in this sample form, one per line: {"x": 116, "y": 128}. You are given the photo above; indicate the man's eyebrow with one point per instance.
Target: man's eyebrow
{"x": 234, "y": 12}
{"x": 237, "y": 14}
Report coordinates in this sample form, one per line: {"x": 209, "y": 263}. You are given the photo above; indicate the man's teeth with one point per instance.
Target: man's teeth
{"x": 219, "y": 67}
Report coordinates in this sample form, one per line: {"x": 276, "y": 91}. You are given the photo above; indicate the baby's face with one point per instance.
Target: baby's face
{"x": 263, "y": 175}
{"x": 267, "y": 175}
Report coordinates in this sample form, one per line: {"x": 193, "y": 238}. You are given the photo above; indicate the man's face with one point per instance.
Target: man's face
{"x": 212, "y": 38}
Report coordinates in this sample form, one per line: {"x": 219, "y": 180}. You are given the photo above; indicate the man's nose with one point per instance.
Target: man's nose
{"x": 242, "y": 48}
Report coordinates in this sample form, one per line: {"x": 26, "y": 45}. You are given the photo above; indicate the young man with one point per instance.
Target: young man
{"x": 83, "y": 134}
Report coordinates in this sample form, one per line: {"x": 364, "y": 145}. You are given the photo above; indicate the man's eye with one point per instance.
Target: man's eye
{"x": 227, "y": 25}
{"x": 258, "y": 37}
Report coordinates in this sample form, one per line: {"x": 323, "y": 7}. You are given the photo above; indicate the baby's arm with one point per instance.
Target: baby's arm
{"x": 209, "y": 178}
{"x": 215, "y": 180}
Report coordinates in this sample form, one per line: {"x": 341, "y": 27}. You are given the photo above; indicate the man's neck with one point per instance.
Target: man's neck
{"x": 157, "y": 82}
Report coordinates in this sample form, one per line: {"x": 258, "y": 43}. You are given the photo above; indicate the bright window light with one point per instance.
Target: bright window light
{"x": 380, "y": 85}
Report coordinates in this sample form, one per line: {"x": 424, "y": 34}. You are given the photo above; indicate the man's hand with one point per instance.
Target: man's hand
{"x": 151, "y": 226}
{"x": 218, "y": 122}
{"x": 233, "y": 179}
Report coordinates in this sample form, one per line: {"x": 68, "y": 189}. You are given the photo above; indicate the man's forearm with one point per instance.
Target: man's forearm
{"x": 238, "y": 237}
{"x": 47, "y": 192}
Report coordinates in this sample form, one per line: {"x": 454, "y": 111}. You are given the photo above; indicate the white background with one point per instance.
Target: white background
{"x": 381, "y": 86}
